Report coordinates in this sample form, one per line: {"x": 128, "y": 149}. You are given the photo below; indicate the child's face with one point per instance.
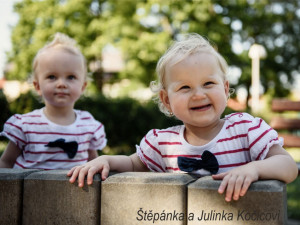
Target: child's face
{"x": 195, "y": 91}
{"x": 60, "y": 78}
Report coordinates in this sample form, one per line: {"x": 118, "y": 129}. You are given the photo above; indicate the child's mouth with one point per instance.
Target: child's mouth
{"x": 201, "y": 108}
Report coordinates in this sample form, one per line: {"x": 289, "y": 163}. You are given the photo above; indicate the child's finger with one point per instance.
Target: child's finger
{"x": 105, "y": 172}
{"x": 74, "y": 174}
{"x": 70, "y": 172}
{"x": 83, "y": 172}
{"x": 246, "y": 185}
{"x": 219, "y": 176}
{"x": 90, "y": 176}
{"x": 230, "y": 188}
{"x": 237, "y": 189}
{"x": 223, "y": 184}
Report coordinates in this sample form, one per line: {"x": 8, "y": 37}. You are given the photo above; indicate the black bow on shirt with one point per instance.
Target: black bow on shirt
{"x": 69, "y": 147}
{"x": 208, "y": 162}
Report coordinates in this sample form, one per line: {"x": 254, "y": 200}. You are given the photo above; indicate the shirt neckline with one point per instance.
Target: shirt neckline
{"x": 56, "y": 124}
{"x": 207, "y": 145}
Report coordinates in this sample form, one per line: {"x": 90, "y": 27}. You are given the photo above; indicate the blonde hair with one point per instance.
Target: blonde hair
{"x": 179, "y": 50}
{"x": 60, "y": 41}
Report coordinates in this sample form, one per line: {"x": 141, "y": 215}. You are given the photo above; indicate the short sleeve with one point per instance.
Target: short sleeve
{"x": 149, "y": 153}
{"x": 14, "y": 132}
{"x": 99, "y": 140}
{"x": 261, "y": 138}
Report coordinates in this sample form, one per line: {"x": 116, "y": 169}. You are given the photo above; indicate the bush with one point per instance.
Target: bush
{"x": 25, "y": 103}
{"x": 126, "y": 120}
{"x": 4, "y": 112}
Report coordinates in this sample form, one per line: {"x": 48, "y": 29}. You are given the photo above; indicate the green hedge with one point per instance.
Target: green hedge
{"x": 126, "y": 120}
{"x": 4, "y": 111}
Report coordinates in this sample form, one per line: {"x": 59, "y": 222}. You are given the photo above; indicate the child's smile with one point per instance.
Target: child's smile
{"x": 195, "y": 90}
{"x": 201, "y": 108}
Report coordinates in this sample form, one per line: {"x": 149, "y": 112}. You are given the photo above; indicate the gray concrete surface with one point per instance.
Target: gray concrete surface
{"x": 49, "y": 198}
{"x": 264, "y": 203}
{"x": 144, "y": 198}
{"x": 11, "y": 195}
{"x": 46, "y": 197}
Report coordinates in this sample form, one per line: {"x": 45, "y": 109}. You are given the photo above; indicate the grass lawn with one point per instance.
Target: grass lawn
{"x": 293, "y": 189}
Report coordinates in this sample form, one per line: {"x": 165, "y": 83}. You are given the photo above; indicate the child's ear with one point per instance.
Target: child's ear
{"x": 163, "y": 95}
{"x": 83, "y": 86}
{"x": 226, "y": 87}
{"x": 37, "y": 87}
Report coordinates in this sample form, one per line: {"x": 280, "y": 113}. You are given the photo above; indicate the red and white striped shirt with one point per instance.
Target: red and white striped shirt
{"x": 32, "y": 131}
{"x": 242, "y": 139}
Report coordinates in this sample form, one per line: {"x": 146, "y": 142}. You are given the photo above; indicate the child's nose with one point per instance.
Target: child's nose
{"x": 198, "y": 93}
{"x": 61, "y": 83}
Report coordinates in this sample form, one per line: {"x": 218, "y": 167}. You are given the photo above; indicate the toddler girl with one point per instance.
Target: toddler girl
{"x": 56, "y": 136}
{"x": 238, "y": 149}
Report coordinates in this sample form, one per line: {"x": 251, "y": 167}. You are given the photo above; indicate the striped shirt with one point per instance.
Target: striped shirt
{"x": 241, "y": 140}
{"x": 32, "y": 131}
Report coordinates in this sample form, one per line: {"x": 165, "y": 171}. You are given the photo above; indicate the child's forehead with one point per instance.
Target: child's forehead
{"x": 203, "y": 64}
{"x": 54, "y": 54}
{"x": 59, "y": 50}
{"x": 197, "y": 57}
{"x": 52, "y": 58}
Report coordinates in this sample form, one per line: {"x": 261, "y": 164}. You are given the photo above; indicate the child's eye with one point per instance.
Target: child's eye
{"x": 71, "y": 77}
{"x": 208, "y": 83}
{"x": 184, "y": 87}
{"x": 51, "y": 77}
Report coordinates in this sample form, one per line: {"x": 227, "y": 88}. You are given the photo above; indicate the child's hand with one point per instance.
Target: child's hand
{"x": 237, "y": 181}
{"x": 98, "y": 165}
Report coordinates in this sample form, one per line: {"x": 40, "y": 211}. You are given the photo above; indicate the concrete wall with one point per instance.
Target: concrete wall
{"x": 47, "y": 197}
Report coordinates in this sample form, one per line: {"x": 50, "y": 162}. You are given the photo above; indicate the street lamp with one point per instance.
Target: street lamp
{"x": 256, "y": 52}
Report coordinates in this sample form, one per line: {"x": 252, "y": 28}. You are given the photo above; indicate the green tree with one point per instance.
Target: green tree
{"x": 143, "y": 29}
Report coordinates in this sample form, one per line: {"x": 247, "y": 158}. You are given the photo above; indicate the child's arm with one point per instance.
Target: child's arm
{"x": 92, "y": 155}
{"x": 10, "y": 155}
{"x": 278, "y": 165}
{"x": 103, "y": 164}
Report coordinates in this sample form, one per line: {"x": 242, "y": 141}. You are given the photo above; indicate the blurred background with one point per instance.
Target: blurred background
{"x": 122, "y": 41}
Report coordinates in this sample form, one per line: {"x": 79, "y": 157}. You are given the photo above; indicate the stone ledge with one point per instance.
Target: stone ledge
{"x": 49, "y": 198}
{"x": 46, "y": 197}
{"x": 262, "y": 185}
{"x": 139, "y": 198}
{"x": 264, "y": 203}
{"x": 11, "y": 195}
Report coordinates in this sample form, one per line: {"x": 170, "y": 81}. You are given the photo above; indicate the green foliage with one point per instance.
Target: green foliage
{"x": 4, "y": 112}
{"x": 143, "y": 30}
{"x": 126, "y": 120}
{"x": 25, "y": 103}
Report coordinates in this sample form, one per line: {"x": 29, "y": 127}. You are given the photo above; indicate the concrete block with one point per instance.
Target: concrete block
{"x": 144, "y": 198}
{"x": 264, "y": 203}
{"x": 49, "y": 198}
{"x": 11, "y": 194}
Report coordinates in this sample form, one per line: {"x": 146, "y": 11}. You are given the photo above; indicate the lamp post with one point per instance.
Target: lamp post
{"x": 256, "y": 52}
